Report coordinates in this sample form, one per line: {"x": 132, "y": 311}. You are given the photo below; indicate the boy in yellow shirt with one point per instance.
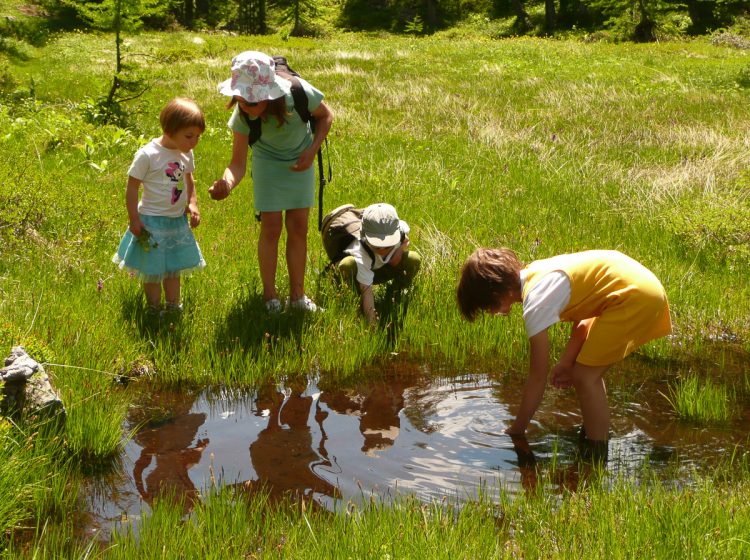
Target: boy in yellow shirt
{"x": 614, "y": 302}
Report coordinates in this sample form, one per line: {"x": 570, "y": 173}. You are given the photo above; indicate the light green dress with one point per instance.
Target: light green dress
{"x": 275, "y": 186}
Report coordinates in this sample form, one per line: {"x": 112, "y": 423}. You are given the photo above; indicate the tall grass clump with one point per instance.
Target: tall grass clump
{"x": 94, "y": 426}
{"x": 702, "y": 402}
{"x": 37, "y": 478}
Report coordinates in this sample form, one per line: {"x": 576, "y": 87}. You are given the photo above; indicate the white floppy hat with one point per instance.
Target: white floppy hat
{"x": 254, "y": 78}
{"x": 381, "y": 226}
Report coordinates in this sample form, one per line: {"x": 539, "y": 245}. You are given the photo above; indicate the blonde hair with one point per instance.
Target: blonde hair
{"x": 180, "y": 113}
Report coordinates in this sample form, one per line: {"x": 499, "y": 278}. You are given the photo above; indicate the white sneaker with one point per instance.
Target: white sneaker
{"x": 303, "y": 304}
{"x": 273, "y": 306}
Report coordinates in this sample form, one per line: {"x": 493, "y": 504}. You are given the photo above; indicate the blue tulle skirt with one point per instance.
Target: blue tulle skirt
{"x": 169, "y": 252}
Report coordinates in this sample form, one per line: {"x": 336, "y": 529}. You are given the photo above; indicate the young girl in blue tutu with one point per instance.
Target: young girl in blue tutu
{"x": 159, "y": 245}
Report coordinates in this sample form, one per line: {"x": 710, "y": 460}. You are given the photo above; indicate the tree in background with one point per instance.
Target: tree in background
{"x": 366, "y": 14}
{"x": 639, "y": 20}
{"x": 117, "y": 16}
{"x": 411, "y": 16}
{"x": 709, "y": 15}
{"x": 251, "y": 17}
{"x": 634, "y": 19}
{"x": 504, "y": 8}
{"x": 300, "y": 14}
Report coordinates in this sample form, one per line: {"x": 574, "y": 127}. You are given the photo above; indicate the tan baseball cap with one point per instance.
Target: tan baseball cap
{"x": 381, "y": 225}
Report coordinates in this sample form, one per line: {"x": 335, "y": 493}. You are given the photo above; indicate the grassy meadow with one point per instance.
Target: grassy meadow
{"x": 544, "y": 146}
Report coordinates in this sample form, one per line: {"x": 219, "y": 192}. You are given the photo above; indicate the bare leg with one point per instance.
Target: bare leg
{"x": 296, "y": 250}
{"x": 268, "y": 252}
{"x": 153, "y": 293}
{"x": 172, "y": 290}
{"x": 592, "y": 396}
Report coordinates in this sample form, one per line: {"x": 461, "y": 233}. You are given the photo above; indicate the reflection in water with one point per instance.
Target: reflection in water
{"x": 168, "y": 450}
{"x": 418, "y": 434}
{"x": 286, "y": 453}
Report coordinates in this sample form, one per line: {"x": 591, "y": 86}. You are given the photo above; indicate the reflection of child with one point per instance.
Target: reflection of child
{"x": 159, "y": 244}
{"x": 614, "y": 303}
{"x": 380, "y": 255}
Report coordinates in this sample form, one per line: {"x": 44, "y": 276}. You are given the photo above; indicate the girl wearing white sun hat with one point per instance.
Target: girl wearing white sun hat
{"x": 282, "y": 171}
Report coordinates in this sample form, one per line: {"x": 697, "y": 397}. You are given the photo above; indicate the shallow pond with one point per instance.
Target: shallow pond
{"x": 408, "y": 432}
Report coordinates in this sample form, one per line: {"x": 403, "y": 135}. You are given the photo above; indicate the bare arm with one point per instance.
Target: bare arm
{"x": 561, "y": 371}
{"x": 323, "y": 119}
{"x": 399, "y": 253}
{"x": 192, "y": 197}
{"x": 533, "y": 390}
{"x": 368, "y": 304}
{"x": 235, "y": 171}
{"x": 131, "y": 201}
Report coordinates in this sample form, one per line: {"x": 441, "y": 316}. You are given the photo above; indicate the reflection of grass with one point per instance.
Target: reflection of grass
{"x": 701, "y": 402}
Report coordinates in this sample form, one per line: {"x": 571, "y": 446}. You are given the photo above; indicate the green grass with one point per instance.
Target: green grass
{"x": 703, "y": 402}
{"x": 544, "y": 146}
{"x": 610, "y": 519}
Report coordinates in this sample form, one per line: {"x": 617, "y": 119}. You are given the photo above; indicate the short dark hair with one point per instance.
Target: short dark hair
{"x": 486, "y": 276}
{"x": 181, "y": 113}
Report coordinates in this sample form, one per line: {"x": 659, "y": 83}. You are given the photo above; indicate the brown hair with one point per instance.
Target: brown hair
{"x": 486, "y": 276}
{"x": 181, "y": 113}
{"x": 275, "y": 108}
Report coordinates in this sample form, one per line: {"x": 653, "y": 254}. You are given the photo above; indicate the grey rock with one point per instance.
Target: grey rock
{"x": 27, "y": 387}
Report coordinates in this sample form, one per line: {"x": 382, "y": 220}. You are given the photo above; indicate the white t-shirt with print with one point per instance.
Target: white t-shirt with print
{"x": 161, "y": 171}
{"x": 546, "y": 300}
{"x": 366, "y": 267}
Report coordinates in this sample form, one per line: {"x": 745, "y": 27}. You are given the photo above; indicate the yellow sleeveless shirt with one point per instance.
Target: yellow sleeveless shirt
{"x": 627, "y": 300}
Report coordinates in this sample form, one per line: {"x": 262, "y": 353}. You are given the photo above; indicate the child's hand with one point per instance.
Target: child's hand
{"x": 304, "y": 161}
{"x": 136, "y": 227}
{"x": 561, "y": 376}
{"x": 195, "y": 215}
{"x": 145, "y": 241}
{"x": 219, "y": 190}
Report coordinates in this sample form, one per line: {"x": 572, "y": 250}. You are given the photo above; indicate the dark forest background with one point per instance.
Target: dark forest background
{"x": 636, "y": 20}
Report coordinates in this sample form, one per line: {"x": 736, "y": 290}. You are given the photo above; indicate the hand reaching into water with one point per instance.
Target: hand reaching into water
{"x": 561, "y": 376}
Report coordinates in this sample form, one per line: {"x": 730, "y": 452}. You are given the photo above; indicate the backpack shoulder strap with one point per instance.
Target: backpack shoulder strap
{"x": 367, "y": 249}
{"x": 298, "y": 93}
{"x": 300, "y": 100}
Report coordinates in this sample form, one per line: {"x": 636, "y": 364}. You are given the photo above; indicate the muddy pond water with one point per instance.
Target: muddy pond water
{"x": 407, "y": 431}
